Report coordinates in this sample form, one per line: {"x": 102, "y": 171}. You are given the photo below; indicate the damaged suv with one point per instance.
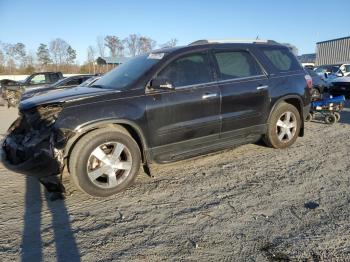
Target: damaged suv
{"x": 160, "y": 107}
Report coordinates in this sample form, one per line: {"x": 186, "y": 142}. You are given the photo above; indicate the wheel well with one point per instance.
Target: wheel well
{"x": 134, "y": 134}
{"x": 296, "y": 102}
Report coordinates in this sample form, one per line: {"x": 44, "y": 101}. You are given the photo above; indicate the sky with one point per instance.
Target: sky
{"x": 78, "y": 22}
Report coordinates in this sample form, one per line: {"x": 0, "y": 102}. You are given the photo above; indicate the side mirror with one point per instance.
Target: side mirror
{"x": 162, "y": 84}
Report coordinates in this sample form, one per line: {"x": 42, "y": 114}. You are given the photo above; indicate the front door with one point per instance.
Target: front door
{"x": 180, "y": 119}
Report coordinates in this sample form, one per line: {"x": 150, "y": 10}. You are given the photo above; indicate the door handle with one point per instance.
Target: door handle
{"x": 209, "y": 95}
{"x": 263, "y": 87}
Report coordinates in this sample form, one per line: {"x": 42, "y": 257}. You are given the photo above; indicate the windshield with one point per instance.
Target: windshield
{"x": 327, "y": 69}
{"x": 335, "y": 69}
{"x": 25, "y": 80}
{"x": 127, "y": 73}
{"x": 90, "y": 81}
{"x": 59, "y": 82}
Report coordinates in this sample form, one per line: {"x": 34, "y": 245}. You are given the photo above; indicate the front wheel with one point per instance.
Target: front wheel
{"x": 283, "y": 127}
{"x": 309, "y": 117}
{"x": 105, "y": 162}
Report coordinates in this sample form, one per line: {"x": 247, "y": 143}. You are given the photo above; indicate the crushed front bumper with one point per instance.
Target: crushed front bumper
{"x": 30, "y": 148}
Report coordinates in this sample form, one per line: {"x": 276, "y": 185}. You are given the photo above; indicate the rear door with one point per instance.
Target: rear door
{"x": 185, "y": 117}
{"x": 244, "y": 90}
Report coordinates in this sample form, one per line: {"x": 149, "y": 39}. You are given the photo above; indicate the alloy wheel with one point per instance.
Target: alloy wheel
{"x": 109, "y": 164}
{"x": 286, "y": 127}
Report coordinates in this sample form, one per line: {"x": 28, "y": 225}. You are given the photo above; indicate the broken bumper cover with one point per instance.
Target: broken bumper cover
{"x": 31, "y": 147}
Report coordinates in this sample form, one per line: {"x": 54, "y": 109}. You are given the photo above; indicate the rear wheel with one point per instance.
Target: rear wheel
{"x": 330, "y": 119}
{"x": 105, "y": 162}
{"x": 283, "y": 127}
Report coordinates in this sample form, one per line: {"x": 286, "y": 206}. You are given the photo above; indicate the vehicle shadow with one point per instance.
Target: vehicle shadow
{"x": 63, "y": 236}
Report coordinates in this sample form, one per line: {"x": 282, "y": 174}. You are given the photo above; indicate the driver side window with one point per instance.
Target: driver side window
{"x": 38, "y": 79}
{"x": 187, "y": 70}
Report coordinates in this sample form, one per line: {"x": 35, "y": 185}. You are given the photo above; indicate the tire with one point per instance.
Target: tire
{"x": 309, "y": 117}
{"x": 330, "y": 119}
{"x": 337, "y": 116}
{"x": 277, "y": 135}
{"x": 96, "y": 166}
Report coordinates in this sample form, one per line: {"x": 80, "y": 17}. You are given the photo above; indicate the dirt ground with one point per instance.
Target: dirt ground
{"x": 252, "y": 203}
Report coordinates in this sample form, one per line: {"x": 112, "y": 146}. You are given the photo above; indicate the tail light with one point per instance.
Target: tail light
{"x": 308, "y": 80}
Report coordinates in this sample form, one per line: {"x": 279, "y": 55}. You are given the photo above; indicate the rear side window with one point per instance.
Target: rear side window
{"x": 282, "y": 59}
{"x": 188, "y": 70}
{"x": 236, "y": 64}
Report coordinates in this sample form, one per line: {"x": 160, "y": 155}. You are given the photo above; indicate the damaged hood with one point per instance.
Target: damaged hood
{"x": 64, "y": 95}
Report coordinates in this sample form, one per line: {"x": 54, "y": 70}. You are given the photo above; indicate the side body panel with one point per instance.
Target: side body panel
{"x": 177, "y": 127}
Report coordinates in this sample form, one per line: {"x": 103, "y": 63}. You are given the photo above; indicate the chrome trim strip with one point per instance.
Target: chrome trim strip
{"x": 196, "y": 85}
{"x": 240, "y": 79}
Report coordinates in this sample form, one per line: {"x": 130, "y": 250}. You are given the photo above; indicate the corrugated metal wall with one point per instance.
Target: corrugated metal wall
{"x": 335, "y": 51}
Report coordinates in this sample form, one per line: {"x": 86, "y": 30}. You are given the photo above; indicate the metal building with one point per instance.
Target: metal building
{"x": 332, "y": 52}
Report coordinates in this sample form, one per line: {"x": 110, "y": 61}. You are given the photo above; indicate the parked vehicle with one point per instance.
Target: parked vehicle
{"x": 161, "y": 107}
{"x": 67, "y": 82}
{"x": 91, "y": 81}
{"x": 310, "y": 66}
{"x": 340, "y": 86}
{"x": 328, "y": 108}
{"x": 319, "y": 85}
{"x": 329, "y": 72}
{"x": 11, "y": 90}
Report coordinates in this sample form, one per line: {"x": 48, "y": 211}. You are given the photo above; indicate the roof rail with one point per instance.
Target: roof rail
{"x": 231, "y": 41}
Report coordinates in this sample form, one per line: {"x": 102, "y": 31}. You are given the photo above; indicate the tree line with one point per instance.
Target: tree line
{"x": 58, "y": 55}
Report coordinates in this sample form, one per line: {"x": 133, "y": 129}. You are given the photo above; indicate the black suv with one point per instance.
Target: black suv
{"x": 160, "y": 107}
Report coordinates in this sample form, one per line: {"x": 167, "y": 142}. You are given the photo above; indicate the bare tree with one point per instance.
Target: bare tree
{"x": 132, "y": 42}
{"x": 91, "y": 58}
{"x": 146, "y": 44}
{"x": 29, "y": 59}
{"x": 29, "y": 63}
{"x": 2, "y": 57}
{"x": 115, "y": 45}
{"x": 101, "y": 45}
{"x": 171, "y": 43}
{"x": 112, "y": 44}
{"x": 58, "y": 49}
{"x": 20, "y": 52}
{"x": 10, "y": 55}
